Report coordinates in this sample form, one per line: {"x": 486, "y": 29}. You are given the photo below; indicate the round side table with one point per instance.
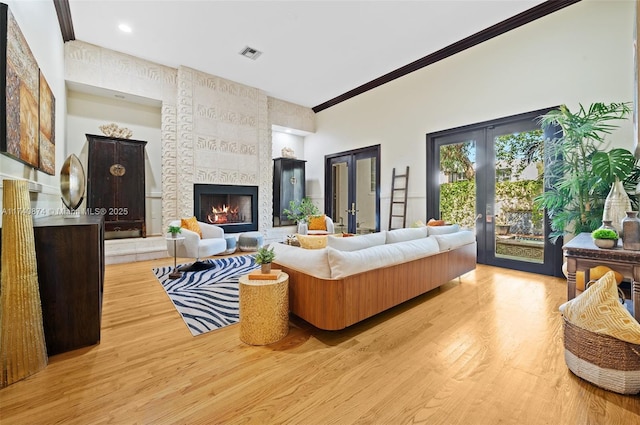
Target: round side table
{"x": 175, "y": 274}
{"x": 264, "y": 309}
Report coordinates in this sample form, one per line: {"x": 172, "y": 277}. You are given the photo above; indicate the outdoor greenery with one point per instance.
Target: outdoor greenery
{"x": 455, "y": 158}
{"x": 265, "y": 255}
{"x": 458, "y": 201}
{"x": 604, "y": 234}
{"x": 520, "y": 149}
{"x": 298, "y": 211}
{"x": 575, "y": 194}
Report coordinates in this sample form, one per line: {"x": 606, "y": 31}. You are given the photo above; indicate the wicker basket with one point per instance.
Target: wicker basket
{"x": 604, "y": 361}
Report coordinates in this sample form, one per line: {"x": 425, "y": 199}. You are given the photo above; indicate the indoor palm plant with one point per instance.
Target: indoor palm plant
{"x": 574, "y": 193}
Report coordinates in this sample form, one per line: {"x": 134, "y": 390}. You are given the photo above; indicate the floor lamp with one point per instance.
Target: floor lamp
{"x": 23, "y": 351}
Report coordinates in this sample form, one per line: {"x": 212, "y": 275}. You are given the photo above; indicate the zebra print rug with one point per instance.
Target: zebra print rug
{"x": 208, "y": 299}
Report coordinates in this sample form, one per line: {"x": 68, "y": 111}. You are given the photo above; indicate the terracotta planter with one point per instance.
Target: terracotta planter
{"x": 265, "y": 268}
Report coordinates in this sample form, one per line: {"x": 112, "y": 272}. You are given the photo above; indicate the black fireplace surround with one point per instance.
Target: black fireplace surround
{"x": 233, "y": 208}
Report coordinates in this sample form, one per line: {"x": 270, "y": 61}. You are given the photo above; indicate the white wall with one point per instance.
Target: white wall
{"x": 39, "y": 25}
{"x": 281, "y": 140}
{"x": 87, "y": 112}
{"x": 581, "y": 54}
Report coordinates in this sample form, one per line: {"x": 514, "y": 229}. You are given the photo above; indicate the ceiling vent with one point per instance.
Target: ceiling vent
{"x": 250, "y": 53}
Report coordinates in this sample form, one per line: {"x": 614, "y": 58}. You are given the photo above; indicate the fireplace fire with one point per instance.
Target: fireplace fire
{"x": 234, "y": 208}
{"x": 224, "y": 214}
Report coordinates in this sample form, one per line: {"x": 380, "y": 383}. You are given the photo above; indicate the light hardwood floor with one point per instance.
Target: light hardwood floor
{"x": 484, "y": 350}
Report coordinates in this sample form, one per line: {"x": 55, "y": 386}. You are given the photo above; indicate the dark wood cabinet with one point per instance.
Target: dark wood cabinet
{"x": 116, "y": 183}
{"x": 288, "y": 185}
{"x": 70, "y": 259}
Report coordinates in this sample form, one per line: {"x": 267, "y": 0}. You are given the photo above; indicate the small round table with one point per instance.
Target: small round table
{"x": 175, "y": 274}
{"x": 264, "y": 309}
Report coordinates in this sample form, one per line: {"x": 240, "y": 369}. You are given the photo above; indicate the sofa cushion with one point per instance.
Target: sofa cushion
{"x": 443, "y": 230}
{"x": 347, "y": 263}
{"x": 309, "y": 261}
{"x": 357, "y": 242}
{"x": 453, "y": 240}
{"x": 408, "y": 234}
{"x": 312, "y": 242}
{"x": 599, "y": 310}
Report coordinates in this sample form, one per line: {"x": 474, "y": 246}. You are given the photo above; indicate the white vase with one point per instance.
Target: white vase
{"x": 616, "y": 205}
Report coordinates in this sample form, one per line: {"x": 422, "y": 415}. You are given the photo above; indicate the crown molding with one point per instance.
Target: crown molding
{"x": 64, "y": 18}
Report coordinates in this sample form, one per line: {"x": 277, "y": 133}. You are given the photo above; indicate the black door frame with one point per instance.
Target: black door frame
{"x": 351, "y": 158}
{"x": 553, "y": 252}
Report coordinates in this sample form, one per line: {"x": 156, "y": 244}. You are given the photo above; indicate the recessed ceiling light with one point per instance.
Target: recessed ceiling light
{"x": 124, "y": 28}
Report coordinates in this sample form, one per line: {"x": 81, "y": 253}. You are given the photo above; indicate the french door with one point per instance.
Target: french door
{"x": 352, "y": 190}
{"x": 486, "y": 177}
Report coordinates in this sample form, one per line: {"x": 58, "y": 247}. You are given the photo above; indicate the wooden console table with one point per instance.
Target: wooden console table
{"x": 582, "y": 254}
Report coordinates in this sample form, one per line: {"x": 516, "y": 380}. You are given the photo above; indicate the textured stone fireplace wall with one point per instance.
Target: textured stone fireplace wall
{"x": 213, "y": 130}
{"x": 224, "y": 137}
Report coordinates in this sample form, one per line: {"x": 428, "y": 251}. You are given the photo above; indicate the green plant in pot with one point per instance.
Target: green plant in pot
{"x": 605, "y": 238}
{"x": 298, "y": 211}
{"x": 265, "y": 257}
{"x": 174, "y": 230}
{"x": 575, "y": 195}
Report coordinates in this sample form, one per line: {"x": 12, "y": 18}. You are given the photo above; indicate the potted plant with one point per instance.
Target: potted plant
{"x": 605, "y": 238}
{"x": 265, "y": 257}
{"x": 574, "y": 195}
{"x": 174, "y": 230}
{"x": 298, "y": 211}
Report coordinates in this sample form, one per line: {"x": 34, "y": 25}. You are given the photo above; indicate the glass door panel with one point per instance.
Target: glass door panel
{"x": 340, "y": 190}
{"x": 365, "y": 195}
{"x": 457, "y": 182}
{"x": 518, "y": 229}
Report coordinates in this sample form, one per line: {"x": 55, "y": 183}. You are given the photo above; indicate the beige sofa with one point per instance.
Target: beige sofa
{"x": 354, "y": 278}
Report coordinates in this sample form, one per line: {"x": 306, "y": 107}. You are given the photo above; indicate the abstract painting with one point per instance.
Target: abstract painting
{"x": 47, "y": 128}
{"x": 20, "y": 96}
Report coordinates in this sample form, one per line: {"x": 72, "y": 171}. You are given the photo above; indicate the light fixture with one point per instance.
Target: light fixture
{"x": 250, "y": 53}
{"x": 124, "y": 28}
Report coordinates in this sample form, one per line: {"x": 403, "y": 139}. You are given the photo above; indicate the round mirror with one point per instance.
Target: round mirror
{"x": 72, "y": 182}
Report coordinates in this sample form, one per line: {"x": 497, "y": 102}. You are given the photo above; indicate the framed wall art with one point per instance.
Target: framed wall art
{"x": 27, "y": 105}
{"x": 47, "y": 148}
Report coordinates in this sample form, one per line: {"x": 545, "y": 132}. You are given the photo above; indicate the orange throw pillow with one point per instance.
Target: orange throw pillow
{"x": 191, "y": 224}
{"x": 434, "y": 222}
{"x": 317, "y": 222}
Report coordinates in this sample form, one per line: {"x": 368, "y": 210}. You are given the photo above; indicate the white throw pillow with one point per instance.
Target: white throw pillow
{"x": 443, "y": 230}
{"x": 354, "y": 243}
{"x": 454, "y": 240}
{"x": 313, "y": 262}
{"x": 347, "y": 263}
{"x": 408, "y": 234}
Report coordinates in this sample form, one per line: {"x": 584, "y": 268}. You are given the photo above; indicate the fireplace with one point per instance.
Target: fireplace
{"x": 234, "y": 208}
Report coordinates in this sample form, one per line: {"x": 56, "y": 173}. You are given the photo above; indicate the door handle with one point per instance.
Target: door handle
{"x": 353, "y": 209}
{"x": 478, "y": 217}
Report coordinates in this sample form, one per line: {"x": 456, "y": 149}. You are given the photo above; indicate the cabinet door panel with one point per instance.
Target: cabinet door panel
{"x": 99, "y": 177}
{"x": 130, "y": 185}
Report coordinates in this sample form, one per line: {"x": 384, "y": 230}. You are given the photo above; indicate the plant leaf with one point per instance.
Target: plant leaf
{"x": 617, "y": 163}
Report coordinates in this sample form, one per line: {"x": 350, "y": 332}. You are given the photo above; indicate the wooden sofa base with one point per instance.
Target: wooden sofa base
{"x": 334, "y": 304}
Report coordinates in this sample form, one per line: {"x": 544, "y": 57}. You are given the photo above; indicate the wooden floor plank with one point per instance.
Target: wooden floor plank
{"x": 484, "y": 349}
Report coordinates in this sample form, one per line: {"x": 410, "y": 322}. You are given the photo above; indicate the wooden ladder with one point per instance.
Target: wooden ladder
{"x": 398, "y": 199}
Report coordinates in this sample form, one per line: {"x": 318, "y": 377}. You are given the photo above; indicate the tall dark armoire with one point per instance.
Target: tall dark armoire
{"x": 288, "y": 185}
{"x": 116, "y": 184}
